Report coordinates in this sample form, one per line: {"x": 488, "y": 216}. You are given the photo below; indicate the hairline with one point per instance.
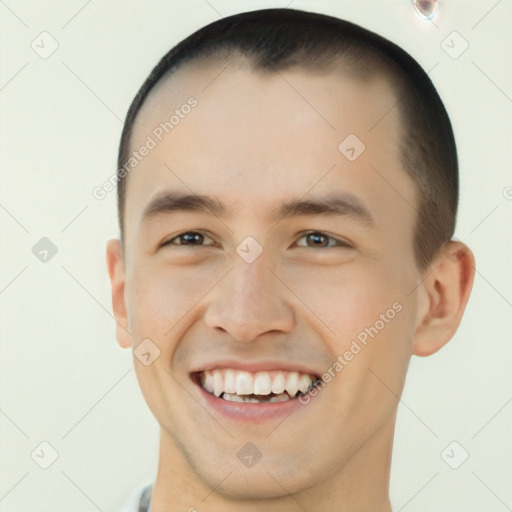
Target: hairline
{"x": 338, "y": 70}
{"x": 380, "y": 61}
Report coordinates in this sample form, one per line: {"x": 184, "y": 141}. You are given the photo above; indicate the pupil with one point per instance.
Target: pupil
{"x": 191, "y": 237}
{"x": 316, "y": 237}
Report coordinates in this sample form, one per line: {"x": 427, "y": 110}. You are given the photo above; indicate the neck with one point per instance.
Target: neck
{"x": 360, "y": 485}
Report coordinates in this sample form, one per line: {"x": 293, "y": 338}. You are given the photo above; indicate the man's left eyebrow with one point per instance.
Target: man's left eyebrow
{"x": 342, "y": 204}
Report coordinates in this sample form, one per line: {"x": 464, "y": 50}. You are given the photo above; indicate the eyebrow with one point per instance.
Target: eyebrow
{"x": 341, "y": 204}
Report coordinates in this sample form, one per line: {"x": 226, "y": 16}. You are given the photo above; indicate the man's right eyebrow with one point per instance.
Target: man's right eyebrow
{"x": 170, "y": 201}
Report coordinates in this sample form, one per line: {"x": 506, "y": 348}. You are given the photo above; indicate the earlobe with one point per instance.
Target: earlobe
{"x": 117, "y": 274}
{"x": 445, "y": 294}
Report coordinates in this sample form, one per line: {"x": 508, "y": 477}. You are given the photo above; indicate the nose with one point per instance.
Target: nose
{"x": 250, "y": 301}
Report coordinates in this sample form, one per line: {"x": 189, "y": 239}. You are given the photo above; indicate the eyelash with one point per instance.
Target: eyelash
{"x": 340, "y": 243}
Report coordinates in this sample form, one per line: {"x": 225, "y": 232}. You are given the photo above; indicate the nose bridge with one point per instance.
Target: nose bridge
{"x": 249, "y": 301}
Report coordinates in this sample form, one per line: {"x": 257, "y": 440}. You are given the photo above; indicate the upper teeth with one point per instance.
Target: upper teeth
{"x": 259, "y": 383}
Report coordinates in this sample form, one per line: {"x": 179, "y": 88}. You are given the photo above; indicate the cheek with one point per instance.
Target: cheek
{"x": 160, "y": 297}
{"x": 347, "y": 299}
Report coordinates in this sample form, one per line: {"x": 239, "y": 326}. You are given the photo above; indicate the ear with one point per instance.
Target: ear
{"x": 117, "y": 273}
{"x": 444, "y": 295}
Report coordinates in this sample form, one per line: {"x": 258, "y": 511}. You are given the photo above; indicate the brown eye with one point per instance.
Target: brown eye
{"x": 321, "y": 240}
{"x": 190, "y": 238}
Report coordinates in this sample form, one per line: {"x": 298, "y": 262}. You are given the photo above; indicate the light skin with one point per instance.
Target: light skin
{"x": 255, "y": 141}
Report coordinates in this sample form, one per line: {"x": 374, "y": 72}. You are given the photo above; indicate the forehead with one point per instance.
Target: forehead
{"x": 289, "y": 94}
{"x": 256, "y": 138}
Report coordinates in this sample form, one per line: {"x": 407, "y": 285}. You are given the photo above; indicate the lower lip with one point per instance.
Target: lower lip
{"x": 251, "y": 412}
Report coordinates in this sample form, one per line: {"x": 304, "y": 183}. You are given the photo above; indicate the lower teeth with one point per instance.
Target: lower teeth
{"x": 232, "y": 397}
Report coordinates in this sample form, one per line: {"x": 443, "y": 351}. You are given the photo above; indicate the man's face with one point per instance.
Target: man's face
{"x": 254, "y": 142}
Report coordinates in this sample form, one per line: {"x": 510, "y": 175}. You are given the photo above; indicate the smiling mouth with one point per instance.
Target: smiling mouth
{"x": 255, "y": 387}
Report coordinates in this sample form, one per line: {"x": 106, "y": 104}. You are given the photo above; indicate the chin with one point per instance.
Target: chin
{"x": 258, "y": 487}
{"x": 261, "y": 482}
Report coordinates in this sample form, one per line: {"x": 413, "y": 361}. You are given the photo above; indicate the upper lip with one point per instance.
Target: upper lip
{"x": 256, "y": 366}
